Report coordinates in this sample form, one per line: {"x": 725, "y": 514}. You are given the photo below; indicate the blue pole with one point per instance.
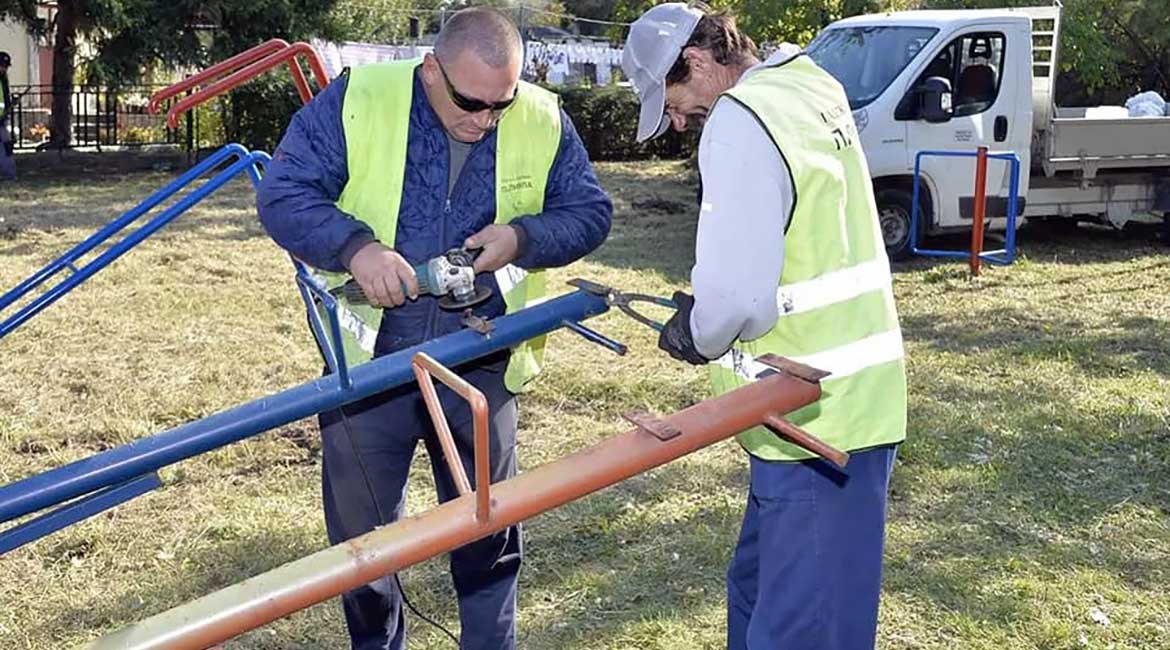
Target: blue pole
{"x": 151, "y": 453}
{"x": 121, "y": 222}
{"x": 76, "y": 511}
{"x": 1013, "y": 207}
{"x": 131, "y": 240}
{"x": 914, "y": 203}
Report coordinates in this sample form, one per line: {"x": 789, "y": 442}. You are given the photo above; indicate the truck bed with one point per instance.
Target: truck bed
{"x": 1074, "y": 142}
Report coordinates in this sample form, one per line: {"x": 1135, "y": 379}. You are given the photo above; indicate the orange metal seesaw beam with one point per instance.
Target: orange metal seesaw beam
{"x": 327, "y": 573}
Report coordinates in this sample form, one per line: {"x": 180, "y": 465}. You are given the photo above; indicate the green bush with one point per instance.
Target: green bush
{"x": 606, "y": 118}
{"x": 259, "y": 111}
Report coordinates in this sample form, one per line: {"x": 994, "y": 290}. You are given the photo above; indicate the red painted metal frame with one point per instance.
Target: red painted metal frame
{"x": 425, "y": 368}
{"x": 228, "y": 65}
{"x": 980, "y": 209}
{"x": 285, "y": 55}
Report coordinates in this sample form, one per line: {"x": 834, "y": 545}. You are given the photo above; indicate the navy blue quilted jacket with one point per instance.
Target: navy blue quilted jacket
{"x": 297, "y": 205}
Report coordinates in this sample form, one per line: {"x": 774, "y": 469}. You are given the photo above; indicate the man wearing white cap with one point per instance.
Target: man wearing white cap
{"x": 788, "y": 260}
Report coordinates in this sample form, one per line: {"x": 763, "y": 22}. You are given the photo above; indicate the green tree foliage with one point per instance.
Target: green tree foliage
{"x": 1110, "y": 49}
{"x": 131, "y": 37}
{"x": 795, "y": 21}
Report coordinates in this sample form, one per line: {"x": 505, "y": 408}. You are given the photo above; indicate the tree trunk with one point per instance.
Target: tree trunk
{"x": 64, "y": 48}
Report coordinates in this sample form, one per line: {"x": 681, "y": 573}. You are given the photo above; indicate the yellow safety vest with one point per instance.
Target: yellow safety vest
{"x": 835, "y": 296}
{"x": 376, "y": 119}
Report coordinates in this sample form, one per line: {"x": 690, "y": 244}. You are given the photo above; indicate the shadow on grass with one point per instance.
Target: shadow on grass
{"x": 89, "y": 205}
{"x": 1143, "y": 343}
{"x": 653, "y": 222}
{"x": 579, "y": 539}
{"x": 1080, "y": 245}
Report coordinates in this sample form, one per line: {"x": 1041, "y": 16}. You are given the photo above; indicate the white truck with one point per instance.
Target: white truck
{"x": 956, "y": 79}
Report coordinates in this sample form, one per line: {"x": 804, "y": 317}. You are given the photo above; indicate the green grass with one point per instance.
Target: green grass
{"x": 1029, "y": 506}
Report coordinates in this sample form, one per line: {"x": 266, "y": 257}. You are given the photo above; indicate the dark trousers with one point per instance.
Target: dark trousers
{"x": 7, "y": 164}
{"x": 367, "y": 452}
{"x": 807, "y": 571}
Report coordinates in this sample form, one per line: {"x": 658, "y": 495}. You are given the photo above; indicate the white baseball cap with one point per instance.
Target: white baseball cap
{"x": 655, "y": 42}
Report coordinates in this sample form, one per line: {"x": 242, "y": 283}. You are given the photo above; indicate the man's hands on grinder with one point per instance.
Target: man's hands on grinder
{"x": 501, "y": 245}
{"x": 385, "y": 277}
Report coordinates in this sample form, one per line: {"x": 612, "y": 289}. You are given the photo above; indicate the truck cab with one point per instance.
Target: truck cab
{"x": 954, "y": 80}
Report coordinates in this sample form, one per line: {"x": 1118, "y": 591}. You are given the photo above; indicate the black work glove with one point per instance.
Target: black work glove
{"x": 676, "y": 338}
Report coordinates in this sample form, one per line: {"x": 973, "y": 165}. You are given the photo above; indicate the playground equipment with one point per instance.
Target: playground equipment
{"x": 1003, "y": 256}
{"x": 242, "y": 68}
{"x": 117, "y": 475}
{"x": 474, "y": 514}
{"x": 246, "y": 66}
{"x": 241, "y": 161}
{"x": 84, "y": 488}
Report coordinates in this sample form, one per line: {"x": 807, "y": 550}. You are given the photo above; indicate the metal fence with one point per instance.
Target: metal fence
{"x": 102, "y": 117}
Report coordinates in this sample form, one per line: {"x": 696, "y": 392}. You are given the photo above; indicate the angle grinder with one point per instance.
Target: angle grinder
{"x": 449, "y": 276}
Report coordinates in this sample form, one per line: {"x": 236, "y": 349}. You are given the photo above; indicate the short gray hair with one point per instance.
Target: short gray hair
{"x": 491, "y": 35}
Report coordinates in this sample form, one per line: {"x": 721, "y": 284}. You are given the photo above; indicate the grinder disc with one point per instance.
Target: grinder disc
{"x": 450, "y": 302}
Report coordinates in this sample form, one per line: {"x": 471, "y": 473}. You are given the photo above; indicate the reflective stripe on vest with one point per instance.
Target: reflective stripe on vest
{"x": 835, "y": 299}
{"x": 376, "y": 117}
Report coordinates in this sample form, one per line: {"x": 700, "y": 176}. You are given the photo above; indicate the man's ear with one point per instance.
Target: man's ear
{"x": 430, "y": 69}
{"x": 698, "y": 59}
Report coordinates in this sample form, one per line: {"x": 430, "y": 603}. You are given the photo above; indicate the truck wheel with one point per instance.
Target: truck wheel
{"x": 893, "y": 207}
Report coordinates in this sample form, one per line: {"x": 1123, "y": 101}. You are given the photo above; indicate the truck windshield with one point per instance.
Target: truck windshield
{"x": 866, "y": 59}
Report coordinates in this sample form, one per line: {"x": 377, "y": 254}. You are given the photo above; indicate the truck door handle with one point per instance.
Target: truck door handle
{"x": 1001, "y": 126}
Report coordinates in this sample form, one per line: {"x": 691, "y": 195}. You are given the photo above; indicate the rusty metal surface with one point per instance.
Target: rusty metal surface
{"x": 805, "y": 440}
{"x": 475, "y": 323}
{"x": 651, "y": 424}
{"x": 335, "y": 570}
{"x": 424, "y": 368}
{"x": 421, "y": 364}
{"x": 807, "y": 373}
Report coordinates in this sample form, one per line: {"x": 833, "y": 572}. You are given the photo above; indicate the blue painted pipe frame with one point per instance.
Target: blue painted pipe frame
{"x": 73, "y": 512}
{"x": 245, "y": 161}
{"x": 118, "y": 475}
{"x": 1003, "y": 256}
{"x": 121, "y": 464}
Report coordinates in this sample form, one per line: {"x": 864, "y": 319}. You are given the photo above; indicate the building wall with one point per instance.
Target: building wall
{"x": 25, "y": 56}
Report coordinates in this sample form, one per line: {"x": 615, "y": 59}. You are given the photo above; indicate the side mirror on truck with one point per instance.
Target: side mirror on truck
{"x": 935, "y": 97}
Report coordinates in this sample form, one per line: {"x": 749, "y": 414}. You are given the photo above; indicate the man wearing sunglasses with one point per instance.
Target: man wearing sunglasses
{"x": 392, "y": 165}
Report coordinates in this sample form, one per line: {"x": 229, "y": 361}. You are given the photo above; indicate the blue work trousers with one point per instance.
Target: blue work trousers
{"x": 807, "y": 572}
{"x": 367, "y": 448}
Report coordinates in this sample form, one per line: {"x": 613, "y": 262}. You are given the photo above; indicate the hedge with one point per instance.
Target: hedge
{"x": 606, "y": 118}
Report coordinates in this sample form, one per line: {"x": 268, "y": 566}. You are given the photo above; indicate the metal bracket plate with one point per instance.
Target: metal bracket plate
{"x": 656, "y": 427}
{"x": 590, "y": 287}
{"x": 471, "y": 321}
{"x": 798, "y": 370}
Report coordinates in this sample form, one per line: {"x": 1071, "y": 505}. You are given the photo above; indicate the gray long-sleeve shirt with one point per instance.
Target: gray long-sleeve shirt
{"x": 739, "y": 248}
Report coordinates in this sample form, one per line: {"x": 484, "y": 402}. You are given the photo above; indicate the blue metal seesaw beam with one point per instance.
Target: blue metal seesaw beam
{"x": 244, "y": 161}
{"x": 144, "y": 456}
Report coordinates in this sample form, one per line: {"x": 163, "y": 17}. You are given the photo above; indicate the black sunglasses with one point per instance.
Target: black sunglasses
{"x": 469, "y": 105}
